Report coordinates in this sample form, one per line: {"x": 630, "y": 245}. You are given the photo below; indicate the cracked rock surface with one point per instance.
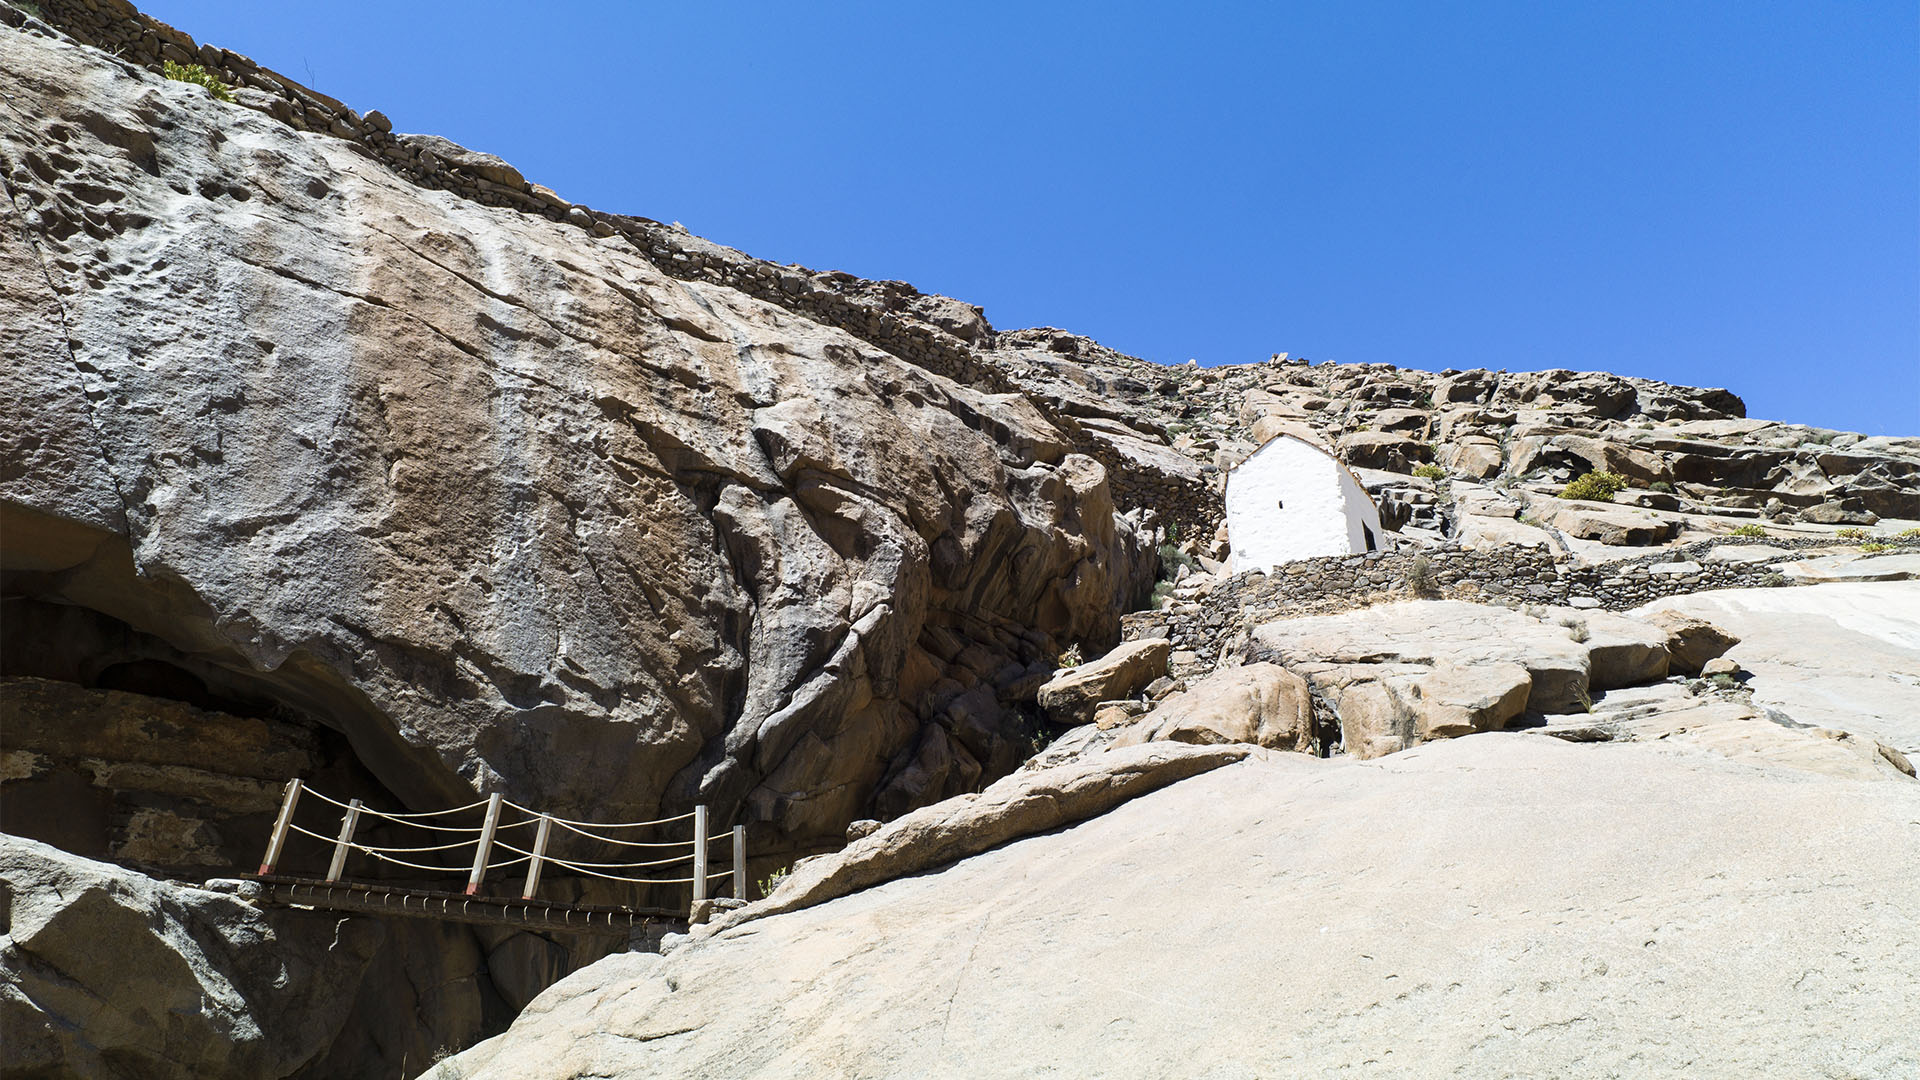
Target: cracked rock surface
{"x": 1505, "y": 904}
{"x": 506, "y": 504}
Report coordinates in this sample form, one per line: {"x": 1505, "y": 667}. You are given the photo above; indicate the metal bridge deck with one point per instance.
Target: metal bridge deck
{"x": 459, "y": 907}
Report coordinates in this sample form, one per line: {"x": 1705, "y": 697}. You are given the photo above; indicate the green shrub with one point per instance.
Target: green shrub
{"x": 1172, "y": 559}
{"x": 1875, "y": 546}
{"x": 1907, "y": 534}
{"x": 1071, "y": 656}
{"x": 198, "y": 76}
{"x": 1852, "y": 533}
{"x": 1430, "y": 472}
{"x": 772, "y": 881}
{"x": 1660, "y": 485}
{"x": 1774, "y": 581}
{"x": 1750, "y": 530}
{"x": 1595, "y": 486}
{"x": 1421, "y": 580}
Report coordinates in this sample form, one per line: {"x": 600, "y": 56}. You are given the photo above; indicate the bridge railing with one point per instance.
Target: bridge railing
{"x": 489, "y": 847}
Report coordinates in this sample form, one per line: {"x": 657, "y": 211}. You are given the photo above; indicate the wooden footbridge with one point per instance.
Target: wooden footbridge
{"x": 495, "y": 834}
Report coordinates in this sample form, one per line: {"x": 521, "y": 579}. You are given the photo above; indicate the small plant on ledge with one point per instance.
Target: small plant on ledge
{"x": 1595, "y": 487}
{"x": 1750, "y": 530}
{"x": 198, "y": 76}
{"x": 1429, "y": 472}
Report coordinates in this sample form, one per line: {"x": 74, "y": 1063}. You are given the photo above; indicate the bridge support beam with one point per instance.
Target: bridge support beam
{"x": 740, "y": 863}
{"x": 279, "y": 839}
{"x": 348, "y": 823}
{"x": 699, "y": 854}
{"x": 539, "y": 855}
{"x": 485, "y": 845}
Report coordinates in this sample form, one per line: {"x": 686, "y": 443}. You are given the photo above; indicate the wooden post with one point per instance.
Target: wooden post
{"x": 280, "y": 824}
{"x": 699, "y": 854}
{"x": 348, "y": 822}
{"x": 539, "y": 853}
{"x": 486, "y": 842}
{"x": 740, "y": 863}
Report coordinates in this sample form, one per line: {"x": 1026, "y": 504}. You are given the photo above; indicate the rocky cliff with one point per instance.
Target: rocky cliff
{"x": 499, "y": 500}
{"x": 354, "y": 455}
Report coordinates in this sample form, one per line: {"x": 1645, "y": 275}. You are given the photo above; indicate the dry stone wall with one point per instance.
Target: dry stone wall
{"x": 1216, "y": 625}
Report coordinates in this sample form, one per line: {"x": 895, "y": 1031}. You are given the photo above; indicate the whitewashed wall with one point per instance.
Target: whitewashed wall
{"x": 1292, "y": 500}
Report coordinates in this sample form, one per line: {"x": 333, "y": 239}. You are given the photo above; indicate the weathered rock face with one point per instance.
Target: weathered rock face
{"x": 1027, "y": 802}
{"x": 105, "y": 971}
{"x": 1070, "y": 696}
{"x": 110, "y": 973}
{"x": 1844, "y": 656}
{"x": 1505, "y": 904}
{"x": 1404, "y": 673}
{"x": 501, "y": 501}
{"x": 1263, "y": 704}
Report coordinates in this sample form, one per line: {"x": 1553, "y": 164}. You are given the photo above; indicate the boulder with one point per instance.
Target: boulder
{"x": 1260, "y": 703}
{"x": 1621, "y": 650}
{"x": 1607, "y": 523}
{"x": 1691, "y": 641}
{"x": 472, "y": 162}
{"x": 1071, "y": 696}
{"x": 1399, "y": 674}
{"x": 1388, "y": 709}
{"x": 1016, "y": 806}
{"x": 1385, "y": 450}
{"x": 1472, "y": 456}
{"x": 107, "y": 972}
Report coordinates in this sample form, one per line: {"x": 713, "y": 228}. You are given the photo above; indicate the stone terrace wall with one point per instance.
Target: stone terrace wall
{"x": 1218, "y": 624}
{"x": 932, "y": 332}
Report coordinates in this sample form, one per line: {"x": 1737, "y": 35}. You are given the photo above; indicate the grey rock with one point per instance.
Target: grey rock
{"x": 106, "y": 972}
{"x": 500, "y": 502}
{"x": 1322, "y": 889}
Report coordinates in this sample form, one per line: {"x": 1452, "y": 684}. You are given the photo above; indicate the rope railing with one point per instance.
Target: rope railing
{"x": 486, "y": 837}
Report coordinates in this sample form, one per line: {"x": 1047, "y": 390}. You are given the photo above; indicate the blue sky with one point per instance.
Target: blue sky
{"x": 1722, "y": 194}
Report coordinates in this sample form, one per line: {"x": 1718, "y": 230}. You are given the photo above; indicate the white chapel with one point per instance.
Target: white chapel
{"x": 1294, "y": 500}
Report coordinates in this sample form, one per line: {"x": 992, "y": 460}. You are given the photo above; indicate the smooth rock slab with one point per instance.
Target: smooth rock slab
{"x": 1505, "y": 905}
{"x": 1862, "y": 567}
{"x": 1843, "y": 656}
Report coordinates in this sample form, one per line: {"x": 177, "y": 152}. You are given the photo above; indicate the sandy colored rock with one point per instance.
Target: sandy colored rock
{"x": 1841, "y": 656}
{"x": 1607, "y": 523}
{"x": 1399, "y": 674}
{"x": 1621, "y": 650}
{"x": 1386, "y": 450}
{"x": 1691, "y": 641}
{"x": 1024, "y": 803}
{"x": 1261, "y": 703}
{"x": 1071, "y": 696}
{"x": 1502, "y": 905}
{"x": 1478, "y": 458}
